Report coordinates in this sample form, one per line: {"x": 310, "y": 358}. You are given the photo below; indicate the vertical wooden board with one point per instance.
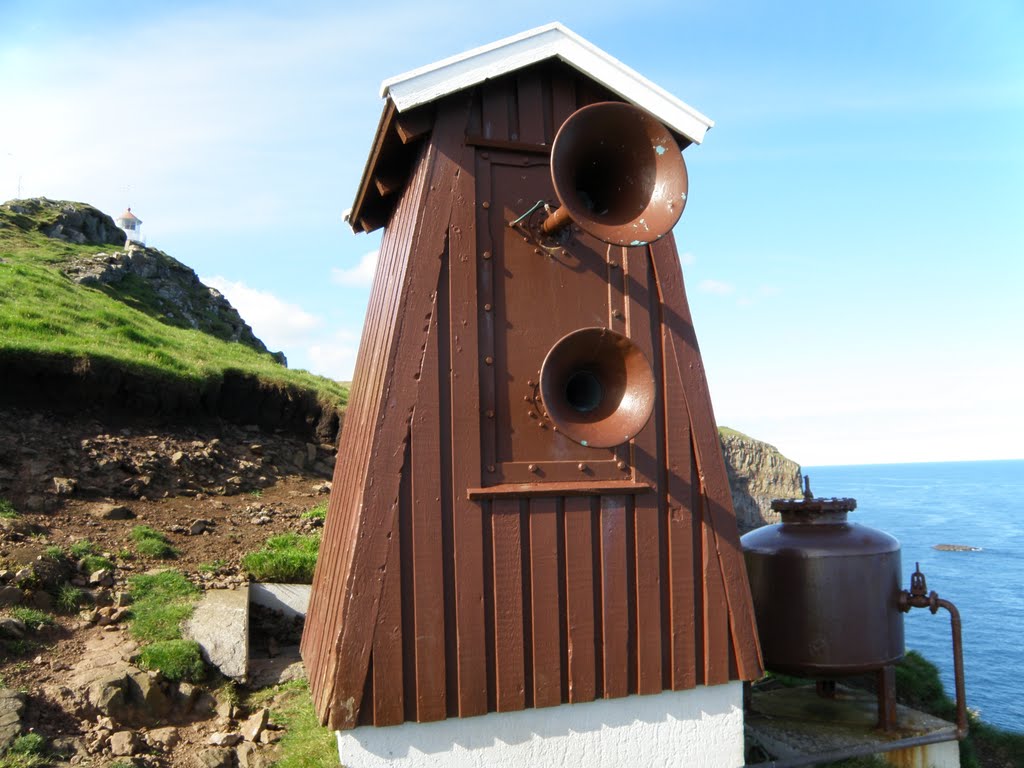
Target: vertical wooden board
{"x": 563, "y": 96}
{"x": 614, "y": 594}
{"x": 508, "y": 605}
{"x": 532, "y": 106}
{"x": 579, "y": 575}
{"x": 707, "y": 448}
{"x": 648, "y": 594}
{"x": 427, "y": 548}
{"x": 716, "y": 615}
{"x": 676, "y": 481}
{"x": 649, "y": 509}
{"x": 544, "y": 595}
{"x": 347, "y": 594}
{"x": 496, "y": 120}
{"x": 388, "y": 702}
{"x": 467, "y": 519}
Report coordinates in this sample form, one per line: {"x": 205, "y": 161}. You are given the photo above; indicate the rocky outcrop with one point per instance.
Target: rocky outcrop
{"x": 167, "y": 289}
{"x": 72, "y": 222}
{"x": 757, "y": 473}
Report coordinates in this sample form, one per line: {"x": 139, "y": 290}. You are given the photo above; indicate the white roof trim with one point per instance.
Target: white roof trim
{"x": 429, "y": 83}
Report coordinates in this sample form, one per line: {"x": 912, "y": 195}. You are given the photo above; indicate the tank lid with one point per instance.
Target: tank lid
{"x": 809, "y": 505}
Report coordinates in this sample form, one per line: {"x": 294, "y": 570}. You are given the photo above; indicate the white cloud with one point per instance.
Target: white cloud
{"x": 716, "y": 287}
{"x": 361, "y": 274}
{"x": 279, "y": 324}
{"x": 335, "y": 357}
{"x": 687, "y": 259}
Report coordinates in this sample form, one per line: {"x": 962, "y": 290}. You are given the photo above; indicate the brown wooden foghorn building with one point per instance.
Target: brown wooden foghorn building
{"x": 480, "y": 555}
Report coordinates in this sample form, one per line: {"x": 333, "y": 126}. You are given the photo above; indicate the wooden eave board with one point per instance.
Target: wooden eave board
{"x": 434, "y": 81}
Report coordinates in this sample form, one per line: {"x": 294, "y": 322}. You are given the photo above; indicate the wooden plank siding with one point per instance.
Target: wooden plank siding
{"x": 430, "y": 601}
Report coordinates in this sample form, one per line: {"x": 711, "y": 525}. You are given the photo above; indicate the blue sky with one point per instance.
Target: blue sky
{"x": 852, "y": 245}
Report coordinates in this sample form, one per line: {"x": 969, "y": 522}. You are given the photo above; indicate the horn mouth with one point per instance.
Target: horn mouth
{"x": 597, "y": 387}
{"x": 619, "y": 173}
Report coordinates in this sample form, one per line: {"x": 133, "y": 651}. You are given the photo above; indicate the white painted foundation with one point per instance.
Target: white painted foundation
{"x": 700, "y": 728}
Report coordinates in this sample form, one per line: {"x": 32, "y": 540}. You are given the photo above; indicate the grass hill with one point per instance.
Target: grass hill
{"x": 118, "y": 343}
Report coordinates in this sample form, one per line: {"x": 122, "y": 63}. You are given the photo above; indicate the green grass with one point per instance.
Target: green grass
{"x": 28, "y": 744}
{"x": 45, "y": 315}
{"x": 176, "y": 659}
{"x": 152, "y": 543}
{"x": 32, "y": 617}
{"x": 160, "y": 602}
{"x": 288, "y": 558}
{"x": 7, "y": 510}
{"x": 319, "y": 512}
{"x": 93, "y": 563}
{"x": 305, "y": 744}
{"x": 69, "y": 598}
{"x": 81, "y": 548}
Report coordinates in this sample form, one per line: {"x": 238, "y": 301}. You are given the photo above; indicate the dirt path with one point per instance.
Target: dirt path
{"x": 217, "y": 493}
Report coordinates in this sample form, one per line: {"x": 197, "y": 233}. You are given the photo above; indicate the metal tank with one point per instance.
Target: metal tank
{"x": 826, "y": 591}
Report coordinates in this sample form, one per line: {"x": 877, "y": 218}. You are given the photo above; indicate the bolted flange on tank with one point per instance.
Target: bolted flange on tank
{"x": 825, "y": 590}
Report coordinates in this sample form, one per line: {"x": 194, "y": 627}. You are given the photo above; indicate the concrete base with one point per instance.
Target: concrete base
{"x": 797, "y": 727}
{"x": 701, "y": 728}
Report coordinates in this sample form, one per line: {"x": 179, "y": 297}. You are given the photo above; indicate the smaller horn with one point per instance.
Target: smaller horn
{"x": 597, "y": 387}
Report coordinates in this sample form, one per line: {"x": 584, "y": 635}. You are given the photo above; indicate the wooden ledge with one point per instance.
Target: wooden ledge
{"x": 538, "y": 490}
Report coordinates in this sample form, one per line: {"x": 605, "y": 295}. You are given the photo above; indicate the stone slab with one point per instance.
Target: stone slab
{"x": 290, "y": 599}
{"x": 220, "y": 625}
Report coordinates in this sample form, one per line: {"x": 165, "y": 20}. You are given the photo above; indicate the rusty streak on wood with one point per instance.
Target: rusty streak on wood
{"x": 579, "y": 568}
{"x": 547, "y": 674}
{"x": 615, "y": 619}
{"x": 508, "y": 605}
{"x": 427, "y": 546}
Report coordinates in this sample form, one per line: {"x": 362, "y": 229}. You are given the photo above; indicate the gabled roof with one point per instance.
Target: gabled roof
{"x": 429, "y": 83}
{"x": 410, "y": 101}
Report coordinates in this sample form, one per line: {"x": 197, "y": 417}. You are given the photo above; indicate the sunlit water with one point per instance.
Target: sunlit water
{"x": 979, "y": 504}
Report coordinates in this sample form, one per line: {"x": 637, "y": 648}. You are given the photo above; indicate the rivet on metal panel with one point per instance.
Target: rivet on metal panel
{"x": 536, "y": 250}
{"x": 541, "y": 424}
{"x": 490, "y": 414}
{"x": 581, "y": 467}
{"x": 532, "y": 414}
{"x": 487, "y": 307}
{"x": 617, "y": 314}
{"x": 531, "y": 383}
{"x": 486, "y": 254}
{"x": 620, "y": 464}
{"x": 527, "y": 398}
{"x": 486, "y": 204}
{"x": 490, "y": 467}
{"x": 613, "y": 264}
{"x": 489, "y": 360}
{"x": 532, "y": 467}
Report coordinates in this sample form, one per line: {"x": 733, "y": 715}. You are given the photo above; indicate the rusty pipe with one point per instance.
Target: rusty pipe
{"x": 917, "y": 598}
{"x": 556, "y": 221}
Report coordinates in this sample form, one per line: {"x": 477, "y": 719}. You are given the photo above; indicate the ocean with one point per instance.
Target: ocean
{"x": 977, "y": 504}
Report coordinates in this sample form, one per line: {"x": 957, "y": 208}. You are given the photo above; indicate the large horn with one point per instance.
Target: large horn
{"x": 597, "y": 387}
{"x": 618, "y": 173}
